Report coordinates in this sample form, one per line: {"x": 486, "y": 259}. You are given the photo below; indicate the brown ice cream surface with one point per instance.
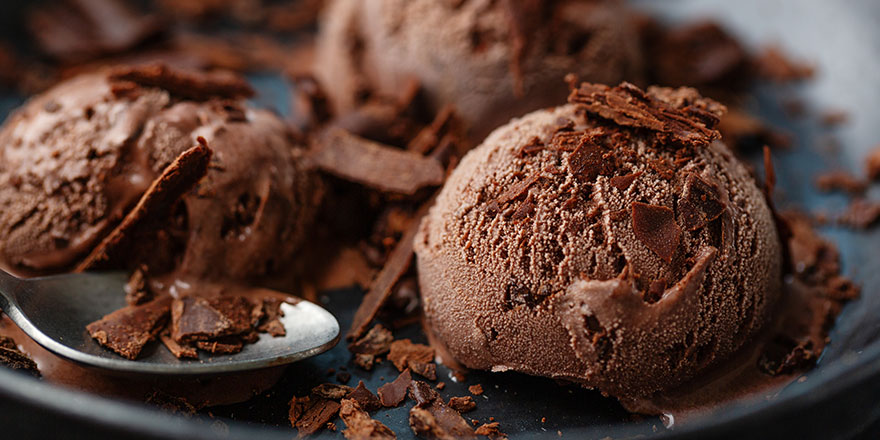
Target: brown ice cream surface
{"x": 492, "y": 60}
{"x": 613, "y": 242}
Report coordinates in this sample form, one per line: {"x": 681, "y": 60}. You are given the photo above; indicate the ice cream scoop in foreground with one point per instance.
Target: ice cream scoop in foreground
{"x": 613, "y": 242}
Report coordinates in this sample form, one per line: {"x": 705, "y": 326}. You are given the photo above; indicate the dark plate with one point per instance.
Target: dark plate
{"x": 839, "y": 399}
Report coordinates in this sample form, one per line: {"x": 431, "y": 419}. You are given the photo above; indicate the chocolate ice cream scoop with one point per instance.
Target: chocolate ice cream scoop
{"x": 613, "y": 242}
{"x": 75, "y": 160}
{"x": 492, "y": 60}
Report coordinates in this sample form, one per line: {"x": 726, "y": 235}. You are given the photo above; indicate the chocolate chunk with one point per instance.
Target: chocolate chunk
{"x": 359, "y": 425}
{"x": 589, "y": 160}
{"x": 404, "y": 352}
{"x": 298, "y": 407}
{"x": 699, "y": 203}
{"x": 13, "y": 358}
{"x": 199, "y": 319}
{"x": 152, "y": 210}
{"x": 272, "y": 313}
{"x": 381, "y": 288}
{"x": 127, "y": 330}
{"x": 331, "y": 391}
{"x": 391, "y": 394}
{"x": 365, "y": 361}
{"x": 196, "y": 86}
{"x": 179, "y": 351}
{"x": 365, "y": 399}
{"x": 438, "y": 421}
{"x": 624, "y": 182}
{"x": 171, "y": 404}
{"x": 426, "y": 370}
{"x": 136, "y": 291}
{"x": 784, "y": 356}
{"x": 462, "y": 404}
{"x": 377, "y": 341}
{"x": 377, "y": 166}
{"x": 321, "y": 412}
{"x": 422, "y": 393}
{"x": 873, "y": 164}
{"x": 476, "y": 389}
{"x": 841, "y": 181}
{"x": 655, "y": 227}
{"x": 628, "y": 106}
{"x": 491, "y": 430}
{"x": 227, "y": 345}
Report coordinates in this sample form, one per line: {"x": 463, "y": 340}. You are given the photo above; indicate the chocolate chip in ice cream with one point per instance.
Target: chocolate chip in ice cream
{"x": 655, "y": 227}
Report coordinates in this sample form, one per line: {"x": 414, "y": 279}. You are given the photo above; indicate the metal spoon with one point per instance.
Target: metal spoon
{"x": 54, "y": 311}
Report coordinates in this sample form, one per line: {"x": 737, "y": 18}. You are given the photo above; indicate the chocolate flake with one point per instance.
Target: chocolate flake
{"x": 699, "y": 203}
{"x": 426, "y": 370}
{"x": 359, "y": 425}
{"x": 491, "y": 430}
{"x": 392, "y": 394}
{"x": 377, "y": 341}
{"x": 622, "y": 183}
{"x": 331, "y": 391}
{"x": 179, "y": 351}
{"x": 365, "y": 361}
{"x": 516, "y": 190}
{"x": 404, "y": 353}
{"x": 432, "y": 418}
{"x": 375, "y": 165}
{"x": 365, "y": 399}
{"x": 127, "y": 330}
{"x": 589, "y": 160}
{"x": 628, "y": 106}
{"x": 655, "y": 227}
{"x": 199, "y": 319}
{"x": 462, "y": 404}
{"x": 298, "y": 407}
{"x": 272, "y": 313}
{"x": 197, "y": 86}
{"x": 321, "y": 412}
{"x": 476, "y": 389}
{"x": 533, "y": 146}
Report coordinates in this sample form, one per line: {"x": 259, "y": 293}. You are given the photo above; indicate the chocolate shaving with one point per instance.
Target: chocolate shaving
{"x": 841, "y": 181}
{"x": 432, "y": 418}
{"x": 153, "y": 208}
{"x": 298, "y": 407}
{"x": 699, "y": 203}
{"x": 179, "y": 351}
{"x": 359, "y": 425}
{"x": 628, "y": 106}
{"x": 426, "y": 370}
{"x": 429, "y": 136}
{"x": 375, "y": 165}
{"x": 272, "y": 313}
{"x": 331, "y": 391}
{"x": 404, "y": 353}
{"x": 199, "y": 319}
{"x": 516, "y": 190}
{"x": 365, "y": 361}
{"x": 491, "y": 430}
{"x": 624, "y": 182}
{"x": 589, "y": 160}
{"x": 655, "y": 227}
{"x": 377, "y": 341}
{"x": 462, "y": 404}
{"x": 392, "y": 394}
{"x": 227, "y": 345}
{"x": 381, "y": 288}
{"x": 365, "y": 399}
{"x": 197, "y": 86}
{"x": 321, "y": 412}
{"x": 127, "y": 330}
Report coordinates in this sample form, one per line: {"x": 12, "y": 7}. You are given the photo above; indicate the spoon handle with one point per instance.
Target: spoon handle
{"x": 8, "y": 286}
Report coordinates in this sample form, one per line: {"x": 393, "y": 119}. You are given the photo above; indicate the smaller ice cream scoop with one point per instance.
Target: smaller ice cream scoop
{"x": 491, "y": 60}
{"x": 613, "y": 242}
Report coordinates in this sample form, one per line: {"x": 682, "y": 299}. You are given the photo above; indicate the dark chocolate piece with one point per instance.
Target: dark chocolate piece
{"x": 359, "y": 425}
{"x": 377, "y": 341}
{"x": 365, "y": 399}
{"x": 624, "y": 182}
{"x": 655, "y": 227}
{"x": 331, "y": 391}
{"x": 404, "y": 352}
{"x": 476, "y": 389}
{"x": 392, "y": 394}
{"x": 127, "y": 330}
{"x": 365, "y": 361}
{"x": 589, "y": 160}
{"x": 462, "y": 404}
{"x": 699, "y": 203}
{"x": 179, "y": 351}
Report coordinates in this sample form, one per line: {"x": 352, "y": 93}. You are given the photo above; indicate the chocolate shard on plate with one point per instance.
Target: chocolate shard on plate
{"x": 377, "y": 166}
{"x": 359, "y": 425}
{"x": 377, "y": 341}
{"x": 628, "y": 106}
{"x": 391, "y": 394}
{"x": 196, "y": 318}
{"x": 426, "y": 370}
{"x": 179, "y": 351}
{"x": 365, "y": 399}
{"x": 321, "y": 412}
{"x": 462, "y": 404}
{"x": 298, "y": 407}
{"x": 655, "y": 226}
{"x": 624, "y": 182}
{"x": 590, "y": 160}
{"x": 381, "y": 288}
{"x": 331, "y": 391}
{"x": 195, "y": 86}
{"x": 404, "y": 353}
{"x": 153, "y": 207}
{"x": 127, "y": 330}
{"x": 272, "y": 313}
{"x": 476, "y": 389}
{"x": 699, "y": 203}
{"x": 491, "y": 430}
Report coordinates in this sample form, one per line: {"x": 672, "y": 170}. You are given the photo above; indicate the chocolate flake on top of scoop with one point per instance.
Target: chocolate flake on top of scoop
{"x": 590, "y": 160}
{"x": 331, "y": 391}
{"x": 628, "y": 106}
{"x": 271, "y": 322}
{"x": 655, "y": 227}
{"x": 699, "y": 203}
{"x": 321, "y": 412}
{"x": 197, "y": 87}
{"x": 127, "y": 330}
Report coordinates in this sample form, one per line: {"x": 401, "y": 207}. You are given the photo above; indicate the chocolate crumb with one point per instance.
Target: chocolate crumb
{"x": 426, "y": 370}
{"x": 364, "y": 361}
{"x": 179, "y": 351}
{"x": 462, "y": 404}
{"x": 404, "y": 353}
{"x": 13, "y": 358}
{"x": 127, "y": 330}
{"x": 655, "y": 227}
{"x": 624, "y": 182}
{"x": 331, "y": 426}
{"x": 365, "y": 399}
{"x": 392, "y": 394}
{"x": 491, "y": 430}
{"x": 476, "y": 389}
{"x": 359, "y": 425}
{"x": 440, "y": 385}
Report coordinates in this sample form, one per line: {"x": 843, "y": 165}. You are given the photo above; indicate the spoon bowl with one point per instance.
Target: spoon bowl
{"x": 54, "y": 311}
